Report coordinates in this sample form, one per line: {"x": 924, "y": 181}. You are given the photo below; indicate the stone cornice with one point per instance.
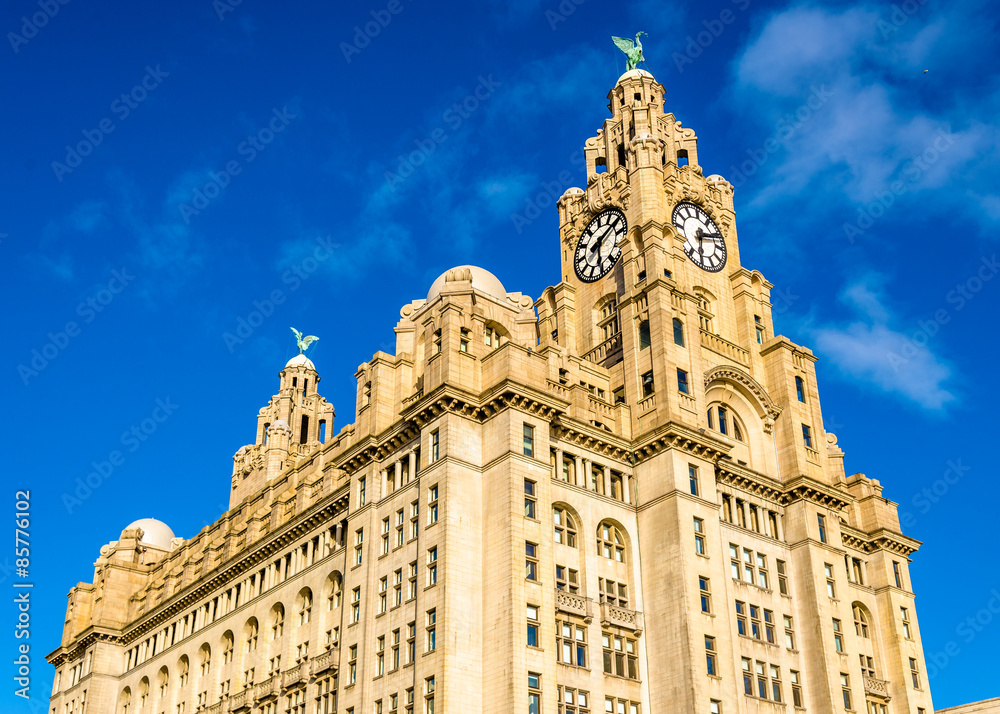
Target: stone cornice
{"x": 674, "y": 435}
{"x": 592, "y": 439}
{"x": 880, "y": 539}
{"x": 748, "y": 480}
{"x": 804, "y": 488}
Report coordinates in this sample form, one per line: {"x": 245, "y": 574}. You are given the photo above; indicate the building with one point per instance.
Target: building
{"x": 618, "y": 497}
{"x": 986, "y": 706}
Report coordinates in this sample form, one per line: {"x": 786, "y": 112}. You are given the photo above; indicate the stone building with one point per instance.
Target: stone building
{"x": 618, "y": 497}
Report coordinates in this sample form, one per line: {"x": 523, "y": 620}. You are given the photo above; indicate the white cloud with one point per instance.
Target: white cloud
{"x": 871, "y": 347}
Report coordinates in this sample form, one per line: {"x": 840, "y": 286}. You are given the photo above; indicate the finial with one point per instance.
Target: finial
{"x": 303, "y": 342}
{"x": 632, "y": 50}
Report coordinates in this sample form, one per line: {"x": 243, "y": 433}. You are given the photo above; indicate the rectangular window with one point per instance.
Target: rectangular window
{"x": 411, "y": 642}
{"x": 531, "y": 561}
{"x": 529, "y": 498}
{"x": 734, "y": 561}
{"x": 807, "y": 438}
{"x": 906, "y": 623}
{"x": 430, "y": 640}
{"x": 359, "y": 541}
{"x": 699, "y": 536}
{"x": 821, "y": 522}
{"x": 429, "y": 695}
{"x": 352, "y": 664}
{"x": 769, "y": 626}
{"x": 682, "y": 382}
{"x": 914, "y": 673}
{"x": 742, "y": 626}
{"x": 693, "y": 479}
{"x": 571, "y": 644}
{"x": 796, "y": 689}
{"x": 747, "y": 677}
{"x": 412, "y": 592}
{"x": 380, "y": 656}
{"x": 534, "y": 693}
{"x": 567, "y": 579}
{"x": 789, "y": 632}
{"x": 620, "y": 657}
{"x": 705, "y": 594}
{"x": 800, "y": 389}
{"x": 715, "y": 706}
{"x": 432, "y": 504}
{"x": 897, "y": 574}
{"x": 647, "y": 384}
{"x": 761, "y": 680}
{"x": 711, "y": 662}
{"x": 394, "y": 664}
{"x": 678, "y": 333}
{"x": 356, "y": 604}
{"x": 361, "y": 491}
{"x": 845, "y": 687}
{"x": 775, "y": 683}
{"x": 755, "y": 622}
{"x": 838, "y": 635}
{"x": 414, "y": 519}
{"x": 762, "y": 579}
{"x": 383, "y": 590}
{"x": 529, "y": 440}
{"x": 397, "y": 588}
{"x": 432, "y": 570}
{"x": 533, "y": 625}
{"x": 831, "y": 590}
{"x": 435, "y": 445}
{"x": 782, "y": 577}
{"x": 385, "y": 536}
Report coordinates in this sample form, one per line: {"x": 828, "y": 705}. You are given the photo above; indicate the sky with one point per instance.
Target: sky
{"x": 181, "y": 182}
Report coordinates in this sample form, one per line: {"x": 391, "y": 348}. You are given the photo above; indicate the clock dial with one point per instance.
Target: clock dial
{"x": 703, "y": 243}
{"x": 599, "y": 249}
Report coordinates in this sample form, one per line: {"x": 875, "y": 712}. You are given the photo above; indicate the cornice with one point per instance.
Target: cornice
{"x": 674, "y": 435}
{"x": 804, "y": 488}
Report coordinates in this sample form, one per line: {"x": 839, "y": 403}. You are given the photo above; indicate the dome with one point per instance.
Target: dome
{"x": 155, "y": 533}
{"x": 301, "y": 360}
{"x": 280, "y": 424}
{"x": 482, "y": 280}
{"x": 635, "y": 73}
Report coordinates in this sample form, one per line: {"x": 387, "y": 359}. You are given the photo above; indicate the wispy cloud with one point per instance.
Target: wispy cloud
{"x": 873, "y": 348}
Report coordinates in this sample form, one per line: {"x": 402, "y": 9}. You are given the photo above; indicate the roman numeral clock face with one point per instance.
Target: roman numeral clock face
{"x": 703, "y": 243}
{"x": 599, "y": 247}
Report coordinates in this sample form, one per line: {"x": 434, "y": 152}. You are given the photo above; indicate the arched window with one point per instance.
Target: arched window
{"x": 800, "y": 389}
{"x": 250, "y": 635}
{"x": 565, "y": 527}
{"x": 334, "y": 590}
{"x": 644, "y": 339}
{"x": 305, "y": 602}
{"x": 124, "y": 701}
{"x": 494, "y": 335}
{"x": 227, "y": 647}
{"x": 205, "y": 659}
{"x": 723, "y": 420}
{"x": 183, "y": 670}
{"x": 143, "y": 692}
{"x": 163, "y": 681}
{"x": 706, "y": 309}
{"x": 607, "y": 318}
{"x": 860, "y": 620}
{"x": 678, "y": 332}
{"x": 610, "y": 542}
{"x": 277, "y": 621}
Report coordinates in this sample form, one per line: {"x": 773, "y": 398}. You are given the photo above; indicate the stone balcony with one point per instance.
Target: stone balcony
{"x": 877, "y": 688}
{"x": 213, "y": 709}
{"x": 329, "y": 660}
{"x": 296, "y": 675}
{"x": 241, "y": 701}
{"x": 573, "y": 604}
{"x": 268, "y": 689}
{"x": 612, "y": 615}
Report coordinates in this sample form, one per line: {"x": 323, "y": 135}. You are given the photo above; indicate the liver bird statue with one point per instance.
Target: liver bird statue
{"x": 633, "y": 51}
{"x": 303, "y": 342}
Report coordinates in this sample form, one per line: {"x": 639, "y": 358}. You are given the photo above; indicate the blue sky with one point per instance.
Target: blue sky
{"x": 172, "y": 168}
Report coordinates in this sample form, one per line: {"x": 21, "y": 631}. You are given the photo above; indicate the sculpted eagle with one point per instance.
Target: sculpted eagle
{"x": 303, "y": 342}
{"x": 633, "y": 51}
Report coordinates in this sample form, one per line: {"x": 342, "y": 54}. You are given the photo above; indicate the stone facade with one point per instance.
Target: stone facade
{"x": 986, "y": 706}
{"x": 618, "y": 497}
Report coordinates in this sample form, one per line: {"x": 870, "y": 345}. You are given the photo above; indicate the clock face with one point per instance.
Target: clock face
{"x": 598, "y": 249}
{"x": 703, "y": 242}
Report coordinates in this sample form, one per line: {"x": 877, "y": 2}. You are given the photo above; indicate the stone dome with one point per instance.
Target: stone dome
{"x": 635, "y": 73}
{"x": 302, "y": 360}
{"x": 155, "y": 533}
{"x": 280, "y": 424}
{"x": 482, "y": 280}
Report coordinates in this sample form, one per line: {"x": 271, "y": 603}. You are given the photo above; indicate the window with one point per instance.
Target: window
{"x": 432, "y": 570}
{"x": 356, "y": 604}
{"x": 762, "y": 578}
{"x": 361, "y": 491}
{"x": 678, "y": 333}
{"x": 742, "y": 626}
{"x": 529, "y": 498}
{"x": 492, "y": 337}
{"x": 359, "y": 541}
{"x": 397, "y": 587}
{"x": 435, "y": 445}
{"x": 529, "y": 440}
{"x": 860, "y": 621}
{"x": 789, "y": 632}
{"x": 530, "y": 561}
{"x": 793, "y": 676}
{"x": 682, "y": 382}
{"x": 394, "y": 662}
{"x": 734, "y": 561}
{"x": 711, "y": 663}
{"x": 800, "y": 389}
{"x": 699, "y": 536}
{"x": 728, "y": 424}
{"x": 565, "y": 527}
{"x": 782, "y": 577}
{"x": 775, "y": 683}
{"x": 534, "y": 693}
{"x": 571, "y": 644}
{"x": 867, "y": 665}
{"x": 747, "y": 677}
{"x": 610, "y": 542}
{"x": 644, "y": 339}
{"x": 412, "y": 591}
{"x": 769, "y": 626}
{"x": 705, "y": 594}
{"x": 897, "y": 574}
{"x": 620, "y": 657}
{"x": 906, "y": 623}
{"x": 384, "y": 548}
{"x": 761, "y": 679}
{"x": 380, "y": 656}
{"x": 647, "y": 384}
{"x": 432, "y": 504}
{"x": 755, "y": 622}
{"x": 383, "y": 594}
{"x": 533, "y": 625}
{"x": 352, "y": 664}
{"x": 612, "y": 592}
{"x": 831, "y": 590}
{"x": 430, "y": 640}
{"x": 414, "y": 519}
{"x": 411, "y": 642}
{"x": 845, "y": 687}
{"x": 807, "y": 436}
{"x": 573, "y": 701}
{"x": 399, "y": 528}
{"x": 821, "y": 522}
{"x": 715, "y": 706}
{"x": 914, "y": 673}
{"x": 277, "y": 621}
{"x": 838, "y": 635}
{"x": 693, "y": 479}
{"x": 567, "y": 579}
{"x": 463, "y": 339}
{"x": 305, "y": 606}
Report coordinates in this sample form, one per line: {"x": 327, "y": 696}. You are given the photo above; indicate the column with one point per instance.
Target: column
{"x": 577, "y": 470}
{"x": 398, "y": 466}
{"x": 412, "y": 456}
{"x": 559, "y": 464}
{"x": 588, "y": 473}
